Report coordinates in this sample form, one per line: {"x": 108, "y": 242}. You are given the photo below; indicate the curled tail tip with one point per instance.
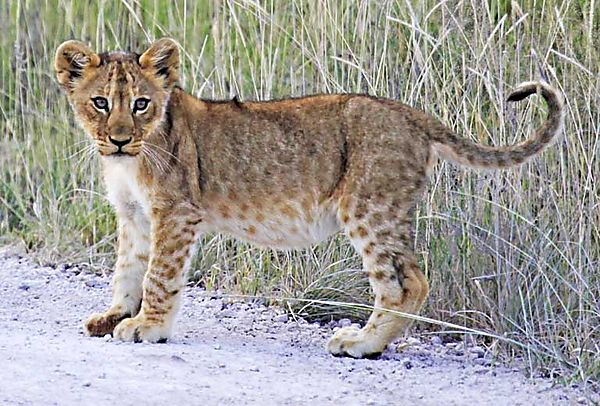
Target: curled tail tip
{"x": 526, "y": 89}
{"x": 519, "y": 94}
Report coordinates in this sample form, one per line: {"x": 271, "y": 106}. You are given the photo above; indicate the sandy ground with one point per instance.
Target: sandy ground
{"x": 221, "y": 354}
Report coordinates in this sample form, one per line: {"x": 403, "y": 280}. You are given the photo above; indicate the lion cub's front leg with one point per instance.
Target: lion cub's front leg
{"x": 173, "y": 237}
{"x": 132, "y": 262}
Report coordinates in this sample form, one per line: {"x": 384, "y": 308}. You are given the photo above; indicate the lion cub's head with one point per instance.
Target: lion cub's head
{"x": 120, "y": 98}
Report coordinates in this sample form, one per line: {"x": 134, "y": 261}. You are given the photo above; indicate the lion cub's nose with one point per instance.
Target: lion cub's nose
{"x": 120, "y": 143}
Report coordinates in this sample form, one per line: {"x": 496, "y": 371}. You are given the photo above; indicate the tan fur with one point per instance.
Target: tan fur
{"x": 285, "y": 174}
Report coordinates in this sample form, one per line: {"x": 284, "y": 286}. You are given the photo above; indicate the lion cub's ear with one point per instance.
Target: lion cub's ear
{"x": 162, "y": 58}
{"x": 71, "y": 60}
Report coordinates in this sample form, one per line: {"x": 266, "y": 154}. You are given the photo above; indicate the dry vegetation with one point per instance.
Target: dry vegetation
{"x": 513, "y": 254}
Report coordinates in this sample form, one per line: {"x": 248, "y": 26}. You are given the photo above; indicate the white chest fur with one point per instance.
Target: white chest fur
{"x": 124, "y": 191}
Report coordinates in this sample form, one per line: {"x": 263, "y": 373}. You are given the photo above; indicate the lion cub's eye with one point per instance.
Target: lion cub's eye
{"x": 140, "y": 105}
{"x": 100, "y": 103}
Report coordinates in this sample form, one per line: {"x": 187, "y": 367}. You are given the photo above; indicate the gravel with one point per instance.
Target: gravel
{"x": 222, "y": 353}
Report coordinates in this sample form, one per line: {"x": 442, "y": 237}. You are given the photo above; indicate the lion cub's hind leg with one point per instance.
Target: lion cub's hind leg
{"x": 383, "y": 236}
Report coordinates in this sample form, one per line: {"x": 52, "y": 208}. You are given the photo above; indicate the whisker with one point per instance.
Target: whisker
{"x": 87, "y": 156}
{"x": 82, "y": 154}
{"x": 162, "y": 149}
{"x": 156, "y": 152}
{"x": 80, "y": 151}
{"x": 81, "y": 142}
{"x": 150, "y": 155}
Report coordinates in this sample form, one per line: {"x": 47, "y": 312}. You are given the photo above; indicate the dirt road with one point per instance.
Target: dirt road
{"x": 222, "y": 355}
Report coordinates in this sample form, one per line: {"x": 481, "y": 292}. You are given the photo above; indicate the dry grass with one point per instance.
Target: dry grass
{"x": 514, "y": 254}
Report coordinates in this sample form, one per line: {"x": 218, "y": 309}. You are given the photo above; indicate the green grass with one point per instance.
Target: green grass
{"x": 514, "y": 254}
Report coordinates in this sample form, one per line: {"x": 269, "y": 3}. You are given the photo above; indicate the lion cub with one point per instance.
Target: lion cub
{"x": 283, "y": 174}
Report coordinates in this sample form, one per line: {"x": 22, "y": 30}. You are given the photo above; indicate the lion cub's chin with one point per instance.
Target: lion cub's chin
{"x": 119, "y": 156}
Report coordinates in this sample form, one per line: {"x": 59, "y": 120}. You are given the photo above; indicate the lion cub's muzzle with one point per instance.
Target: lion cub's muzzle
{"x": 120, "y": 143}
{"x": 118, "y": 146}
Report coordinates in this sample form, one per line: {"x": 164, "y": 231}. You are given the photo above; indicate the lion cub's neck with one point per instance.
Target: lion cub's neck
{"x": 126, "y": 189}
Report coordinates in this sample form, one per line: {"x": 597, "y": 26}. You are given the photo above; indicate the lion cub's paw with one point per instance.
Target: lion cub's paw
{"x": 100, "y": 324}
{"x": 139, "y": 329}
{"x": 355, "y": 343}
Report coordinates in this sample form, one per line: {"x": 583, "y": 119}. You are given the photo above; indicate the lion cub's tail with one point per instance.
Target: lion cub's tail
{"x": 461, "y": 150}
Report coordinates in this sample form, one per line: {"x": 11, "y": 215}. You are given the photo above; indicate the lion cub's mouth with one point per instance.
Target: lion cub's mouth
{"x": 118, "y": 153}
{"x": 122, "y": 153}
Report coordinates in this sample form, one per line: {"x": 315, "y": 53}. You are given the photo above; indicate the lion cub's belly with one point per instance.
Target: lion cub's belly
{"x": 277, "y": 224}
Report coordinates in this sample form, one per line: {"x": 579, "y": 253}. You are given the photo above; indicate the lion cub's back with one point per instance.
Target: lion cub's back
{"x": 272, "y": 147}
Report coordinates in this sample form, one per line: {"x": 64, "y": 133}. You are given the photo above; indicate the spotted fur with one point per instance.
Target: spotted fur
{"x": 285, "y": 174}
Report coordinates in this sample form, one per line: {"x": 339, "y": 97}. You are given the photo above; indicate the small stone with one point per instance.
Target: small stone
{"x": 402, "y": 346}
{"x": 87, "y": 384}
{"x": 436, "y": 340}
{"x": 406, "y": 363}
{"x": 344, "y": 323}
{"x": 221, "y": 365}
{"x": 177, "y": 358}
{"x": 469, "y": 340}
{"x": 477, "y": 351}
{"x": 282, "y": 318}
{"x": 413, "y": 341}
{"x": 217, "y": 347}
{"x": 581, "y": 400}
{"x": 254, "y": 369}
{"x": 482, "y": 361}
{"x": 24, "y": 287}
{"x": 107, "y": 337}
{"x": 227, "y": 313}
